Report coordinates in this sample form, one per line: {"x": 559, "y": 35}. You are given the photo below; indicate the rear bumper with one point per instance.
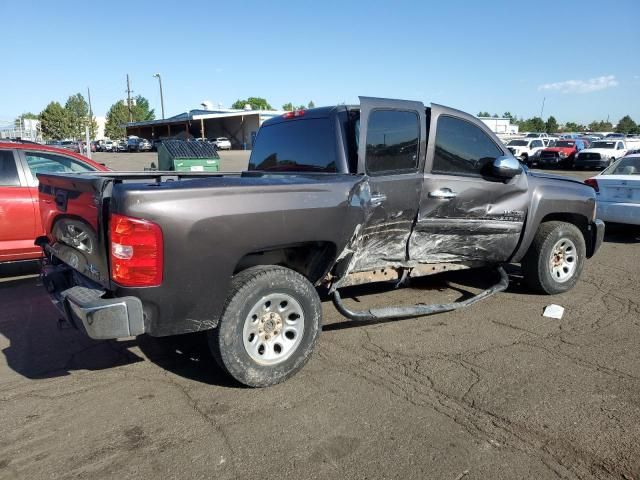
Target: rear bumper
{"x": 627, "y": 213}
{"x": 101, "y": 318}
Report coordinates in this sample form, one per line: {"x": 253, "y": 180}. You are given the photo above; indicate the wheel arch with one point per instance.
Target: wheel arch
{"x": 311, "y": 259}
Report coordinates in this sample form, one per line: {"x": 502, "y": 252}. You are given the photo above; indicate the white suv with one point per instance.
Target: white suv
{"x": 526, "y": 149}
{"x": 222, "y": 143}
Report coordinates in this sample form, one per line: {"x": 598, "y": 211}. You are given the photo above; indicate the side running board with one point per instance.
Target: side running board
{"x": 397, "y": 313}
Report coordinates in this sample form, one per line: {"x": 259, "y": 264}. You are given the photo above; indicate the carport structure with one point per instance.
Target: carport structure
{"x": 239, "y": 126}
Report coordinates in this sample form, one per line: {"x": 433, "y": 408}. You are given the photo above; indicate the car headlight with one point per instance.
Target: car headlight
{"x": 562, "y": 155}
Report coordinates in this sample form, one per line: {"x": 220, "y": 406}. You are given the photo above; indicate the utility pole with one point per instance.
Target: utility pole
{"x": 157, "y": 75}
{"x": 129, "y": 99}
{"x": 542, "y": 109}
{"x": 90, "y": 109}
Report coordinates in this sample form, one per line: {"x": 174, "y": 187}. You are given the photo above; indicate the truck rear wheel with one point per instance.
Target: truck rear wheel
{"x": 555, "y": 259}
{"x": 269, "y": 326}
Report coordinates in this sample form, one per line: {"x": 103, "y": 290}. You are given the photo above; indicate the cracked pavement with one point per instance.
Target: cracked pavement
{"x": 493, "y": 391}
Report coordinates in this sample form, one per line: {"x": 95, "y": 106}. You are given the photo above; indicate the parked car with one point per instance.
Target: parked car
{"x": 20, "y": 222}
{"x": 621, "y": 136}
{"x": 526, "y": 149}
{"x": 70, "y": 145}
{"x": 537, "y": 135}
{"x": 222, "y": 143}
{"x": 334, "y": 197}
{"x": 600, "y": 154}
{"x": 137, "y": 144}
{"x": 121, "y": 146}
{"x": 106, "y": 146}
{"x": 618, "y": 191}
{"x": 562, "y": 154}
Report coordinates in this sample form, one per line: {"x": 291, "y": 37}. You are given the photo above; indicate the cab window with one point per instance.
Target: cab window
{"x": 392, "y": 141}
{"x": 462, "y": 148}
{"x": 8, "y": 170}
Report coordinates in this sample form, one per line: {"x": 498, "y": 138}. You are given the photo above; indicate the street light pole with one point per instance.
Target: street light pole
{"x": 157, "y": 75}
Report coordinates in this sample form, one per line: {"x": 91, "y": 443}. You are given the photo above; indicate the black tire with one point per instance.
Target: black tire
{"x": 247, "y": 289}
{"x": 536, "y": 263}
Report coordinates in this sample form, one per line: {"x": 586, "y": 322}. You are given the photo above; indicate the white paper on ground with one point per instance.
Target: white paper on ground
{"x": 553, "y": 311}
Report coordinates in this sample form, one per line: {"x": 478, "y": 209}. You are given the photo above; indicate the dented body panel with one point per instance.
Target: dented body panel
{"x": 347, "y": 227}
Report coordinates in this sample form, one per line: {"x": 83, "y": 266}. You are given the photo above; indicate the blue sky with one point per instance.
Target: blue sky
{"x": 583, "y": 56}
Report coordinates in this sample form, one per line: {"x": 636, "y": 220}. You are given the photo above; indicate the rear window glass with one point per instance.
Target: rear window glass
{"x": 305, "y": 145}
{"x": 624, "y": 166}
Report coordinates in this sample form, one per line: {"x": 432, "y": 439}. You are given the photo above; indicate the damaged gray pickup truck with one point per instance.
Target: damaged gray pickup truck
{"x": 333, "y": 197}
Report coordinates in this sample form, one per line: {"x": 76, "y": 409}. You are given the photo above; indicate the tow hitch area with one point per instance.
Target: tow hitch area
{"x": 398, "y": 313}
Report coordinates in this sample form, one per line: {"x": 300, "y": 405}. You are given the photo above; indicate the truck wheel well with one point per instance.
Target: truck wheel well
{"x": 312, "y": 259}
{"x": 579, "y": 221}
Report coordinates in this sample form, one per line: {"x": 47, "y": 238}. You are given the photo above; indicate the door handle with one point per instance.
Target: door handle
{"x": 443, "y": 194}
{"x": 377, "y": 199}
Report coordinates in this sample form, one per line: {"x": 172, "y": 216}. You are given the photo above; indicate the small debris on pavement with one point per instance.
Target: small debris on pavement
{"x": 553, "y": 311}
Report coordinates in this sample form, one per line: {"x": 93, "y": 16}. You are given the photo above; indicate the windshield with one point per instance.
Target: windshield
{"x": 533, "y": 135}
{"x": 624, "y": 166}
{"x": 603, "y": 145}
{"x": 304, "y": 145}
{"x": 564, "y": 143}
{"x": 518, "y": 143}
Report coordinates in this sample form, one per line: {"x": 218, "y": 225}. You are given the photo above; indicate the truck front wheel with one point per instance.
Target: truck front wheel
{"x": 269, "y": 326}
{"x": 555, "y": 258}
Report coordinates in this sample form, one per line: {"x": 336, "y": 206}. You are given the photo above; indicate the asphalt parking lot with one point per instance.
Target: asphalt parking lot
{"x": 496, "y": 391}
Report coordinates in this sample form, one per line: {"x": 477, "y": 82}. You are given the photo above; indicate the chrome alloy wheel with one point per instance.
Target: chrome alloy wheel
{"x": 563, "y": 261}
{"x": 273, "y": 329}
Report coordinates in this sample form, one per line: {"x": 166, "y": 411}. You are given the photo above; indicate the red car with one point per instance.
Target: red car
{"x": 20, "y": 221}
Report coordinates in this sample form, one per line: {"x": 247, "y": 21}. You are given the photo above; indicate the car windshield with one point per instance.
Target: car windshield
{"x": 603, "y": 145}
{"x": 223, "y": 139}
{"x": 518, "y": 143}
{"x": 564, "y": 143}
{"x": 533, "y": 135}
{"x": 624, "y": 166}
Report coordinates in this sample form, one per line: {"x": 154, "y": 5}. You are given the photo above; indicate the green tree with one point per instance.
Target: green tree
{"x": 78, "y": 112}
{"x": 534, "y": 124}
{"x": 551, "y": 126}
{"x": 117, "y": 117}
{"x": 600, "y": 126}
{"x": 495, "y": 115}
{"x": 573, "y": 127}
{"x": 54, "y": 122}
{"x": 507, "y": 115}
{"x": 484, "y": 114}
{"x": 140, "y": 110}
{"x": 257, "y": 103}
{"x": 626, "y": 125}
{"x": 288, "y": 107}
{"x": 311, "y": 104}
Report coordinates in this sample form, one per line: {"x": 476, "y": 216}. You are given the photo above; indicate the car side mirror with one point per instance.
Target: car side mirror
{"x": 506, "y": 167}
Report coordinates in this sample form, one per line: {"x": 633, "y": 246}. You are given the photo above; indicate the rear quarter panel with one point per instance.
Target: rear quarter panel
{"x": 208, "y": 230}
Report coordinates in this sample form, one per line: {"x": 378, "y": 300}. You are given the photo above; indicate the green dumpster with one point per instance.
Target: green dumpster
{"x": 188, "y": 156}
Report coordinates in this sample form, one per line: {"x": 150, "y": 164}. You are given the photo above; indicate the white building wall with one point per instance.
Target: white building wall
{"x": 500, "y": 125}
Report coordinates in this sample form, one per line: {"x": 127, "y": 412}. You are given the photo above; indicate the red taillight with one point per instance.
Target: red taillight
{"x": 592, "y": 182}
{"x": 136, "y": 252}
{"x": 293, "y": 114}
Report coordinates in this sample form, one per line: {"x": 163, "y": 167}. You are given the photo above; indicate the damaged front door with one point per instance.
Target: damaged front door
{"x": 467, "y": 214}
{"x": 390, "y": 155}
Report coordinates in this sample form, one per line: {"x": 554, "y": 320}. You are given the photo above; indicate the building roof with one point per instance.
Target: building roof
{"x": 199, "y": 114}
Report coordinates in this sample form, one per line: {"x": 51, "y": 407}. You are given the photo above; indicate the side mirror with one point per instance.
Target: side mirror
{"x": 506, "y": 167}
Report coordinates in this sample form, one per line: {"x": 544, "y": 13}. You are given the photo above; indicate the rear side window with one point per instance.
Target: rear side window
{"x": 462, "y": 148}
{"x": 392, "y": 141}
{"x": 304, "y": 145}
{"x": 42, "y": 162}
{"x": 8, "y": 170}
